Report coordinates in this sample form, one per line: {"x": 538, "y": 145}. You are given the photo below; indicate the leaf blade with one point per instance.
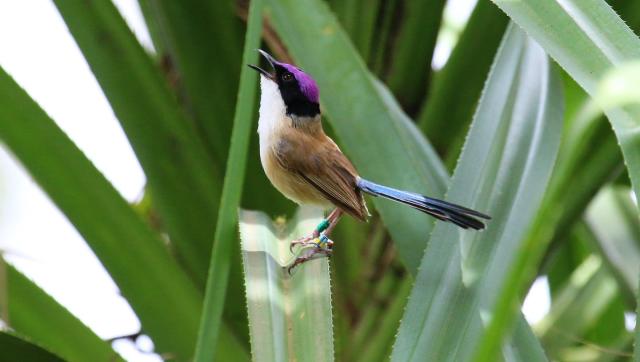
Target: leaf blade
{"x": 521, "y": 113}
{"x": 13, "y": 347}
{"x": 180, "y": 173}
{"x": 225, "y": 235}
{"x": 449, "y": 108}
{"x": 162, "y": 296}
{"x": 421, "y": 21}
{"x": 204, "y": 40}
{"x": 290, "y": 316}
{"x": 27, "y": 305}
{"x": 587, "y": 39}
{"x": 613, "y": 220}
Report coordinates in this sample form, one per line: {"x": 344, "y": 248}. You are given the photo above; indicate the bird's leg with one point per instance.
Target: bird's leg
{"x": 324, "y": 228}
{"x": 333, "y": 220}
{"x": 323, "y": 246}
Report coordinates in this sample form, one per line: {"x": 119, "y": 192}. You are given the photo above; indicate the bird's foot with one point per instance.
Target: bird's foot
{"x": 320, "y": 249}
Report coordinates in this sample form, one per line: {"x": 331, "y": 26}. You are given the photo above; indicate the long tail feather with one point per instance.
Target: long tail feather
{"x": 442, "y": 210}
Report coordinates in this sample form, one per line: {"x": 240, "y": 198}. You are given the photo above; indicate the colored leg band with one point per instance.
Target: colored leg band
{"x": 322, "y": 226}
{"x": 323, "y": 241}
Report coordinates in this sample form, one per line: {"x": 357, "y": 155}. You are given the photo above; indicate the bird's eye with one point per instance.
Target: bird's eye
{"x": 287, "y": 77}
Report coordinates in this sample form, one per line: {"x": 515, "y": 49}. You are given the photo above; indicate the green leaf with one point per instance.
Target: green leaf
{"x": 378, "y": 137}
{"x": 204, "y": 40}
{"x": 589, "y": 157}
{"x": 33, "y": 313}
{"x": 455, "y": 90}
{"x": 157, "y": 37}
{"x": 587, "y": 39}
{"x": 163, "y": 297}
{"x": 15, "y": 348}
{"x": 613, "y": 218}
{"x": 289, "y": 315}
{"x": 358, "y": 18}
{"x": 378, "y": 343}
{"x": 578, "y": 306}
{"x": 182, "y": 177}
{"x": 565, "y": 257}
{"x": 226, "y": 228}
{"x": 378, "y": 59}
{"x": 521, "y": 113}
{"x": 412, "y": 50}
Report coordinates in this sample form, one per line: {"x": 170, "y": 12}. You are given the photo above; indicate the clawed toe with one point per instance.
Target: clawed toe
{"x": 311, "y": 254}
{"x": 302, "y": 241}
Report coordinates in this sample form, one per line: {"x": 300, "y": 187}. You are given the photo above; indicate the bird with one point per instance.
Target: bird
{"x": 308, "y": 167}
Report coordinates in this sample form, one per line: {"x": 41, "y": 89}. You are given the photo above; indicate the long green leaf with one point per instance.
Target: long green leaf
{"x": 358, "y": 18}
{"x": 521, "y": 113}
{"x": 204, "y": 40}
{"x": 378, "y": 345}
{"x": 584, "y": 298}
{"x": 161, "y": 294}
{"x": 455, "y": 90}
{"x": 587, "y": 39}
{"x": 589, "y": 157}
{"x": 33, "y": 313}
{"x": 290, "y": 316}
{"x": 226, "y": 228}
{"x": 182, "y": 177}
{"x": 614, "y": 220}
{"x": 378, "y": 59}
{"x": 16, "y": 348}
{"x": 566, "y": 257}
{"x": 379, "y": 138}
{"x": 412, "y": 50}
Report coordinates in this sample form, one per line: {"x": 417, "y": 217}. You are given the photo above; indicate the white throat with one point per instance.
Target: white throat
{"x": 272, "y": 108}
{"x": 272, "y": 113}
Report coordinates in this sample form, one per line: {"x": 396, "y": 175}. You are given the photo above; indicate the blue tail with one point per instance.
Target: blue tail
{"x": 442, "y": 210}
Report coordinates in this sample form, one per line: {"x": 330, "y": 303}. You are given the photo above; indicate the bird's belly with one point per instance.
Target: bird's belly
{"x": 289, "y": 184}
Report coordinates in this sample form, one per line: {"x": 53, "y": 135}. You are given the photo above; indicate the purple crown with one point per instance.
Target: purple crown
{"x": 308, "y": 86}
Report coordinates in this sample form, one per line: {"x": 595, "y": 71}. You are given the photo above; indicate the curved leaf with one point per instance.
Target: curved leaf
{"x": 33, "y": 313}
{"x": 589, "y": 289}
{"x": 204, "y": 39}
{"x": 15, "y": 348}
{"x": 412, "y": 50}
{"x": 587, "y": 39}
{"x": 182, "y": 177}
{"x": 454, "y": 92}
{"x": 504, "y": 168}
{"x": 613, "y": 219}
{"x": 359, "y": 19}
{"x": 226, "y": 238}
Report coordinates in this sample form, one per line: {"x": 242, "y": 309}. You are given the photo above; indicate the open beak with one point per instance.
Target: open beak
{"x": 271, "y": 61}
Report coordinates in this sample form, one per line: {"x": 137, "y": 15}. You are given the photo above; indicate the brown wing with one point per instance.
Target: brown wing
{"x": 319, "y": 162}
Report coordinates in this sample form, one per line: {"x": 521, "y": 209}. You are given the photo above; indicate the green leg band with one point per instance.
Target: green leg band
{"x": 322, "y": 226}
